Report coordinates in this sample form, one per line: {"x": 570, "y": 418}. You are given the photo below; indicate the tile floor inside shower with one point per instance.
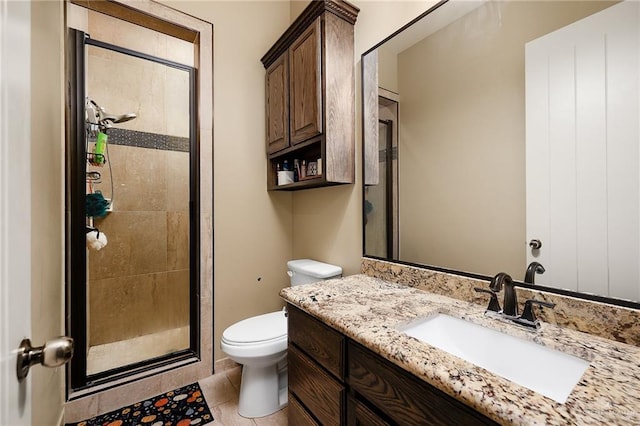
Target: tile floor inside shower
{"x": 221, "y": 392}
{"x": 100, "y": 357}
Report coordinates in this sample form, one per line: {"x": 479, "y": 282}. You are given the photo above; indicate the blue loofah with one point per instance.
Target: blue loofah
{"x": 96, "y": 205}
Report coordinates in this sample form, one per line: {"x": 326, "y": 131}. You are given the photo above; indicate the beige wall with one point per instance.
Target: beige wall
{"x": 256, "y": 232}
{"x": 462, "y": 129}
{"x": 252, "y": 227}
{"x": 47, "y": 202}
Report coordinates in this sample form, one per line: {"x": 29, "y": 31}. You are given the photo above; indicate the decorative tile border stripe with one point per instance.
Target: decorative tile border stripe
{"x": 601, "y": 319}
{"x": 147, "y": 140}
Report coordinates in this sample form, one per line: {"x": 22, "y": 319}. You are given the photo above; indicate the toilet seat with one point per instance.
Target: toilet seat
{"x": 261, "y": 329}
{"x": 260, "y": 336}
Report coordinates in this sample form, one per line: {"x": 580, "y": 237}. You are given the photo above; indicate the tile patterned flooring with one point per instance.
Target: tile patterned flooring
{"x": 221, "y": 392}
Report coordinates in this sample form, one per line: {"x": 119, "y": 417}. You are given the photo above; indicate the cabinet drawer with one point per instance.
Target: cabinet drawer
{"x": 297, "y": 415}
{"x": 360, "y": 415}
{"x": 317, "y": 390}
{"x": 320, "y": 342}
{"x": 402, "y": 396}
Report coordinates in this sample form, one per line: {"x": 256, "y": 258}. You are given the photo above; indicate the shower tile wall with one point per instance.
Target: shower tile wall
{"x": 139, "y": 283}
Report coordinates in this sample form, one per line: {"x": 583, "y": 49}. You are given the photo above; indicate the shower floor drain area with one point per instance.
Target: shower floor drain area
{"x": 180, "y": 407}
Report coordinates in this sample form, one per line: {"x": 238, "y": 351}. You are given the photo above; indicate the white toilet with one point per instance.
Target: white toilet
{"x": 260, "y": 344}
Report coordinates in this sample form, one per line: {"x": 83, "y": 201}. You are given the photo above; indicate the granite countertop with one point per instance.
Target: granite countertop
{"x": 368, "y": 309}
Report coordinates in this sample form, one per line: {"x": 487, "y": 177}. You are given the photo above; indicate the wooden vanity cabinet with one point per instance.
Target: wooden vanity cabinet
{"x": 401, "y": 396}
{"x": 335, "y": 381}
{"x": 315, "y": 361}
{"x": 310, "y": 89}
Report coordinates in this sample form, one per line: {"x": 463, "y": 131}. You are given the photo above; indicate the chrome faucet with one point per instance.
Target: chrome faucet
{"x": 510, "y": 303}
{"x": 533, "y": 269}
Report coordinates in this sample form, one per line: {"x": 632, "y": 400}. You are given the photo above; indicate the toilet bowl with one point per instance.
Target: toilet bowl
{"x": 260, "y": 344}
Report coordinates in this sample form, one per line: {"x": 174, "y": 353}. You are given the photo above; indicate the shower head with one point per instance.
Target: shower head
{"x": 116, "y": 119}
{"x": 97, "y": 115}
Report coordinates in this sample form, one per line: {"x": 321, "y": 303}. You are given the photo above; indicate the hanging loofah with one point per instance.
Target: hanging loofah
{"x": 96, "y": 205}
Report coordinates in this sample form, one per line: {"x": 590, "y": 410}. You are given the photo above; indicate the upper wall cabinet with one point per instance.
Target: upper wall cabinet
{"x": 310, "y": 128}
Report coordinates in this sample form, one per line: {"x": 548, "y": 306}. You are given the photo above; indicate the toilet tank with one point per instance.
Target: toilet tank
{"x": 305, "y": 271}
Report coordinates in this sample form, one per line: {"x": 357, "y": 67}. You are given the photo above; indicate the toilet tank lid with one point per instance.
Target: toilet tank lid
{"x": 257, "y": 329}
{"x": 314, "y": 268}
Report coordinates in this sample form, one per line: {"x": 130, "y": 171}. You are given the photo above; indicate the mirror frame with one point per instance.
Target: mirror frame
{"x": 562, "y": 292}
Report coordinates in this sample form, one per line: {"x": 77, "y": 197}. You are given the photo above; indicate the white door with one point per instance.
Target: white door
{"x": 583, "y": 188}
{"x": 15, "y": 206}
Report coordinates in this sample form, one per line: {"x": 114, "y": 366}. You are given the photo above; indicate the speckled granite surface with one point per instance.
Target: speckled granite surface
{"x": 608, "y": 321}
{"x": 367, "y": 309}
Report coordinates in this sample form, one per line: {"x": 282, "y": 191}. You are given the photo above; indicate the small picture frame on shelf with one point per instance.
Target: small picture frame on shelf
{"x": 312, "y": 168}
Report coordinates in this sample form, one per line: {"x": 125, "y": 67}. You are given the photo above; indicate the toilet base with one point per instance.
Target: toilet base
{"x": 260, "y": 391}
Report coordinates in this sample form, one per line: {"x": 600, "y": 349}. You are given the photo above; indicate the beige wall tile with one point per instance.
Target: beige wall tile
{"x": 177, "y": 240}
{"x": 176, "y": 102}
{"x": 81, "y": 409}
{"x": 177, "y": 181}
{"x": 139, "y": 178}
{"x": 137, "y": 244}
{"x": 126, "y": 307}
{"x": 111, "y": 30}
{"x": 180, "y": 51}
{"x": 129, "y": 393}
{"x": 122, "y": 84}
{"x": 173, "y": 299}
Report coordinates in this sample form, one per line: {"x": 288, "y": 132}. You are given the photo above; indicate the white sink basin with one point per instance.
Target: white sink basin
{"x": 544, "y": 370}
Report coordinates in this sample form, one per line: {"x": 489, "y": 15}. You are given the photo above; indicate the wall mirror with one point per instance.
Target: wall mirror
{"x": 502, "y": 133}
{"x": 132, "y": 198}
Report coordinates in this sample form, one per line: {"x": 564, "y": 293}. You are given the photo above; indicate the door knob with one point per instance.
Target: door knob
{"x": 54, "y": 353}
{"x": 535, "y": 244}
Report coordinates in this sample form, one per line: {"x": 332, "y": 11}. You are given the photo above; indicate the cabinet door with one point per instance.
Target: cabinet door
{"x": 277, "y": 84}
{"x": 323, "y": 396}
{"x": 305, "y": 85}
{"x": 401, "y": 396}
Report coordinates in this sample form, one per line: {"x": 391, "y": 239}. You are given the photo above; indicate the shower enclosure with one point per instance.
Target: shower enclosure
{"x": 132, "y": 199}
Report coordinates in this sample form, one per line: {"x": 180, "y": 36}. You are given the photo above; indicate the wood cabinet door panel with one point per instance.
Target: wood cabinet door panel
{"x": 297, "y": 415}
{"x": 323, "y": 344}
{"x": 318, "y": 391}
{"x": 277, "y": 114}
{"x": 305, "y": 85}
{"x": 360, "y": 415}
{"x": 402, "y": 397}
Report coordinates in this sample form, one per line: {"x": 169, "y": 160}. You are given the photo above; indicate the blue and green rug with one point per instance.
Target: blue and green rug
{"x": 179, "y": 407}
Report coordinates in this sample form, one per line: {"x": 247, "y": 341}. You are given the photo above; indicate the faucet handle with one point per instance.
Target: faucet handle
{"x": 494, "y": 305}
{"x": 528, "y": 315}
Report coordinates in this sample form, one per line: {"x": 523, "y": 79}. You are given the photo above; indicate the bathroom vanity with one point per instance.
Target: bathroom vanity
{"x": 351, "y": 363}
{"x": 342, "y": 382}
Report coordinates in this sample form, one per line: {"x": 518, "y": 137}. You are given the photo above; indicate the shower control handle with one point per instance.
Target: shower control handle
{"x": 53, "y": 353}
